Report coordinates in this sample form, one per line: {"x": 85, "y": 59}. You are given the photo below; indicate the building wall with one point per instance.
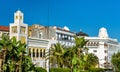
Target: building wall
{"x": 103, "y": 48}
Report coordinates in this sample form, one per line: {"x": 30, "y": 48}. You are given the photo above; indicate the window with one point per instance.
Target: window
{"x": 29, "y": 52}
{"x": 33, "y": 53}
{"x": 22, "y": 29}
{"x": 65, "y": 37}
{"x": 105, "y": 57}
{"x": 14, "y": 29}
{"x": 41, "y": 53}
{"x": 35, "y": 33}
{"x": 105, "y": 51}
{"x": 40, "y": 34}
{"x": 23, "y": 39}
{"x": 44, "y": 53}
{"x": 16, "y": 17}
{"x": 94, "y": 50}
{"x": 37, "y": 53}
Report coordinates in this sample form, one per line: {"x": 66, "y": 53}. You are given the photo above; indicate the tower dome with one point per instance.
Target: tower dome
{"x": 66, "y": 28}
{"x": 18, "y": 11}
{"x": 103, "y": 33}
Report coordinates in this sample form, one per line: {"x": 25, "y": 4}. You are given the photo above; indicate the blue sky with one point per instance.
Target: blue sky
{"x": 88, "y": 15}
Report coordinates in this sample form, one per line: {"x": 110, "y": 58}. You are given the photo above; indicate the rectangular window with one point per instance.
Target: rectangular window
{"x": 105, "y": 51}
{"x": 14, "y": 29}
{"x": 22, "y": 29}
{"x": 106, "y": 58}
{"x": 23, "y": 39}
{"x": 94, "y": 50}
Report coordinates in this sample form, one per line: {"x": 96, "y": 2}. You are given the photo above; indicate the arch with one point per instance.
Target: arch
{"x": 43, "y": 52}
{"x": 40, "y": 52}
{"x": 29, "y": 51}
{"x": 33, "y": 52}
{"x": 37, "y": 53}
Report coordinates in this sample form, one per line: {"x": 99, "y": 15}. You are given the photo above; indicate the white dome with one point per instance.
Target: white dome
{"x": 18, "y": 11}
{"x": 66, "y": 28}
{"x": 103, "y": 33}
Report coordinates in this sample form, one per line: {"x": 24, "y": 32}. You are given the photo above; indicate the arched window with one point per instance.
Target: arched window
{"x": 33, "y": 52}
{"x": 44, "y": 53}
{"x": 37, "y": 54}
{"x": 40, "y": 52}
{"x": 29, "y": 52}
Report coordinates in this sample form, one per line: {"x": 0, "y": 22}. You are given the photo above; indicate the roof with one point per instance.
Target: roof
{"x": 64, "y": 30}
{"x": 4, "y": 28}
{"x": 81, "y": 34}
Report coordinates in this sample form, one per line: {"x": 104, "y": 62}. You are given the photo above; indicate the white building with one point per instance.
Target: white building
{"x": 60, "y": 35}
{"x": 103, "y": 47}
{"x": 40, "y": 38}
{"x": 37, "y": 47}
{"x": 64, "y": 36}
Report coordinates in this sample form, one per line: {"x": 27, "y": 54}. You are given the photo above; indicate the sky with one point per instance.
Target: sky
{"x": 86, "y": 15}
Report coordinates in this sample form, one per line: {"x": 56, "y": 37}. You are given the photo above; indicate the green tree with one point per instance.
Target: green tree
{"x": 116, "y": 61}
{"x": 14, "y": 56}
{"x": 56, "y": 54}
{"x": 91, "y": 61}
{"x": 75, "y": 58}
{"x": 5, "y": 44}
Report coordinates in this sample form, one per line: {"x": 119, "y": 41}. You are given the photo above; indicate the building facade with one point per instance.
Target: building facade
{"x": 103, "y": 47}
{"x": 37, "y": 47}
{"x": 40, "y": 38}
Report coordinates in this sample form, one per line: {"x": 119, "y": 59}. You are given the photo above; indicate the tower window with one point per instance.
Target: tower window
{"x": 22, "y": 30}
{"x": 14, "y": 29}
{"x": 23, "y": 39}
{"x": 16, "y": 17}
{"x": 20, "y": 17}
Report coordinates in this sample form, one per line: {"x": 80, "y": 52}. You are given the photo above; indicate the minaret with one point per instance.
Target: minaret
{"x": 103, "y": 33}
{"x": 18, "y": 29}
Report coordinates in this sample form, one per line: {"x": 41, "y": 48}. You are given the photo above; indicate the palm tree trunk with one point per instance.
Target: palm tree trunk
{"x": 1, "y": 60}
{"x": 20, "y": 69}
{"x": 4, "y": 57}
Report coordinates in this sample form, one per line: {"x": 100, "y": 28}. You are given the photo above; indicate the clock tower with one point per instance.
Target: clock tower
{"x": 19, "y": 29}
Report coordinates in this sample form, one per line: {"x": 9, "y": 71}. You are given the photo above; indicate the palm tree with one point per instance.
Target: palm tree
{"x": 76, "y": 57}
{"x": 27, "y": 64}
{"x": 68, "y": 55}
{"x": 14, "y": 54}
{"x": 22, "y": 60}
{"x": 116, "y": 61}
{"x": 5, "y": 44}
{"x": 56, "y": 54}
{"x": 17, "y": 60}
{"x": 91, "y": 60}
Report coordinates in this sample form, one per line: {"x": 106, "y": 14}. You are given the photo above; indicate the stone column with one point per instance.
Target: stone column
{"x": 38, "y": 54}
{"x": 42, "y": 53}
{"x": 31, "y": 50}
